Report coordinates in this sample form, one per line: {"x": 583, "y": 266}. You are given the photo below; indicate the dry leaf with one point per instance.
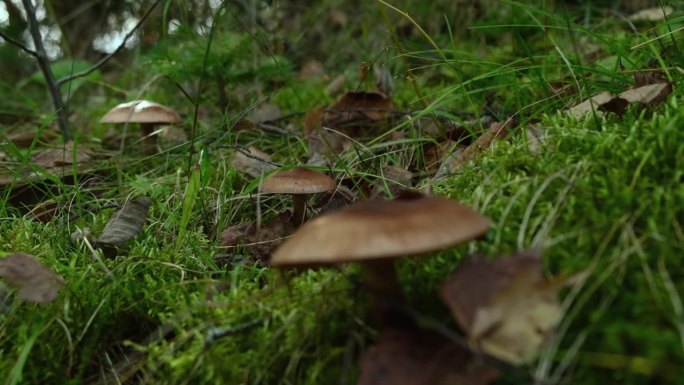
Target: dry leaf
{"x": 64, "y": 155}
{"x": 415, "y": 357}
{"x": 506, "y": 307}
{"x": 591, "y": 104}
{"x": 336, "y": 84}
{"x": 312, "y": 69}
{"x": 391, "y": 181}
{"x": 234, "y": 235}
{"x": 649, "y": 95}
{"x": 646, "y": 77}
{"x": 263, "y": 241}
{"x": 652, "y": 14}
{"x": 496, "y": 130}
{"x": 265, "y": 112}
{"x": 36, "y": 282}
{"x": 383, "y": 80}
{"x": 536, "y": 136}
{"x": 124, "y": 225}
{"x": 252, "y": 162}
{"x": 25, "y": 139}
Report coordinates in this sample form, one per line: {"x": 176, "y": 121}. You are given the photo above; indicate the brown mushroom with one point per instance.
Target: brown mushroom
{"x": 148, "y": 114}
{"x": 298, "y": 182}
{"x": 376, "y": 232}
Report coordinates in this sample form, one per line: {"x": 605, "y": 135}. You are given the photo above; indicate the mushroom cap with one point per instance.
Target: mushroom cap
{"x": 297, "y": 181}
{"x": 140, "y": 111}
{"x": 377, "y": 229}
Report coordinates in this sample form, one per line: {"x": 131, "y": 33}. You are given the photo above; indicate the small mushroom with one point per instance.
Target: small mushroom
{"x": 298, "y": 182}
{"x": 148, "y": 114}
{"x": 376, "y": 232}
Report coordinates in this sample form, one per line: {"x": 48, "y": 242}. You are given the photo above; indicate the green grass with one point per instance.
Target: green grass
{"x": 605, "y": 193}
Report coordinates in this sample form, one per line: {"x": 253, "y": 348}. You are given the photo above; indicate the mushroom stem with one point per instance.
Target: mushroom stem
{"x": 298, "y": 209}
{"x": 149, "y": 141}
{"x": 384, "y": 294}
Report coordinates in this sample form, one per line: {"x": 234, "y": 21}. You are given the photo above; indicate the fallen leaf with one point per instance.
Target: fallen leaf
{"x": 506, "y": 307}
{"x": 25, "y": 139}
{"x": 252, "y": 162}
{"x": 591, "y": 104}
{"x": 415, "y": 357}
{"x": 649, "y": 95}
{"x": 383, "y": 80}
{"x": 36, "y": 282}
{"x": 536, "y": 137}
{"x": 652, "y": 14}
{"x": 65, "y": 155}
{"x": 264, "y": 240}
{"x": 646, "y": 77}
{"x": 391, "y": 181}
{"x": 497, "y": 130}
{"x": 234, "y": 235}
{"x": 124, "y": 225}
{"x": 336, "y": 84}
{"x": 265, "y": 112}
{"x": 312, "y": 69}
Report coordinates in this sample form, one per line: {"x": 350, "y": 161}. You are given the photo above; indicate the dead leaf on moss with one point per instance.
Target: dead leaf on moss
{"x": 536, "y": 138}
{"x": 391, "y": 180}
{"x": 506, "y": 307}
{"x": 263, "y": 241}
{"x": 36, "y": 282}
{"x": 591, "y": 104}
{"x": 252, "y": 162}
{"x": 265, "y": 112}
{"x": 415, "y": 357}
{"x": 234, "y": 235}
{"x": 649, "y": 95}
{"x": 25, "y": 139}
{"x": 126, "y": 224}
{"x": 652, "y": 14}
{"x": 496, "y": 131}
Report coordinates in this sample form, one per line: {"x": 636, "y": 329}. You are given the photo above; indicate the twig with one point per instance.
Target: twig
{"x": 18, "y": 45}
{"x": 44, "y": 64}
{"x": 106, "y": 58}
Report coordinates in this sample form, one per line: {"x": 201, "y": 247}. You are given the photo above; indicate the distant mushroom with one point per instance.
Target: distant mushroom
{"x": 376, "y": 232}
{"x": 148, "y": 114}
{"x": 298, "y": 182}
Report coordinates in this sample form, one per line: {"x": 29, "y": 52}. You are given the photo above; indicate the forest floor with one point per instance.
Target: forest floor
{"x": 478, "y": 110}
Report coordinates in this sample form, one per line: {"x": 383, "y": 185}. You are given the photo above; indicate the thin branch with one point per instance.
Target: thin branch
{"x": 106, "y": 58}
{"x": 18, "y": 45}
{"x": 44, "y": 64}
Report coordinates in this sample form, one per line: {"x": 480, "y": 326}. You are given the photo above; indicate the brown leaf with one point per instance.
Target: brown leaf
{"x": 336, "y": 84}
{"x": 590, "y": 104}
{"x": 252, "y": 162}
{"x": 506, "y": 307}
{"x": 415, "y": 357}
{"x": 646, "y": 77}
{"x": 36, "y": 282}
{"x": 391, "y": 181}
{"x": 25, "y": 139}
{"x": 496, "y": 130}
{"x": 265, "y": 112}
{"x": 234, "y": 235}
{"x": 124, "y": 225}
{"x": 649, "y": 95}
{"x": 312, "y": 69}
{"x": 62, "y": 156}
{"x": 263, "y": 241}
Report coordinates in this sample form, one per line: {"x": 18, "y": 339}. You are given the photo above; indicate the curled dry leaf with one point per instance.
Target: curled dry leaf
{"x": 124, "y": 225}
{"x": 497, "y": 130}
{"x": 36, "y": 282}
{"x": 415, "y": 357}
{"x": 506, "y": 307}
{"x": 252, "y": 162}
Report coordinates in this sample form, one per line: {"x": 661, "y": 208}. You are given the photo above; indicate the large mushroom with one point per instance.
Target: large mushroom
{"x": 298, "y": 182}
{"x": 376, "y": 232}
{"x": 148, "y": 114}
